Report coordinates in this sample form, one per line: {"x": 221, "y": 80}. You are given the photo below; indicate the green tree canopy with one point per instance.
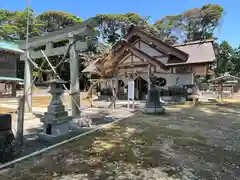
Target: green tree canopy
{"x": 224, "y": 58}
{"x": 193, "y": 24}
{"x": 54, "y": 20}
{"x": 13, "y": 24}
{"x": 113, "y": 26}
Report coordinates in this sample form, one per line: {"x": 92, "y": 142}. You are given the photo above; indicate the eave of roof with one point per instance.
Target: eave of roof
{"x": 194, "y": 42}
{"x": 10, "y": 47}
{"x": 3, "y": 78}
{"x": 199, "y": 51}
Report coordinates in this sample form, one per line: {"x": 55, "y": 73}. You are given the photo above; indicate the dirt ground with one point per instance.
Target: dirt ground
{"x": 39, "y": 101}
{"x": 185, "y": 143}
{"x": 4, "y": 110}
{"x": 43, "y": 101}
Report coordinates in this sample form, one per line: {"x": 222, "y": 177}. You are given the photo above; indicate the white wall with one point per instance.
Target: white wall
{"x": 151, "y": 51}
{"x": 147, "y": 49}
{"x": 171, "y": 78}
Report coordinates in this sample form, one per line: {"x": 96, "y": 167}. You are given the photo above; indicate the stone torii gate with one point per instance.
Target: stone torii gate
{"x": 49, "y": 44}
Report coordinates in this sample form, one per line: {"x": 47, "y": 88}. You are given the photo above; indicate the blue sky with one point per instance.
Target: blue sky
{"x": 229, "y": 29}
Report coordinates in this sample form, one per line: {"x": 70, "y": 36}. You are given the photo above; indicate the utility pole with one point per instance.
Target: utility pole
{"x": 28, "y": 69}
{"x": 25, "y": 102}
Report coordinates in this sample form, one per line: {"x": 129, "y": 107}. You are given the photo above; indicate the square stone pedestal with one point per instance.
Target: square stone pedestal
{"x": 154, "y": 110}
{"x": 54, "y": 129}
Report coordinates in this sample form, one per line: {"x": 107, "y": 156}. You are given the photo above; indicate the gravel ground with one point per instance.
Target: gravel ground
{"x": 187, "y": 143}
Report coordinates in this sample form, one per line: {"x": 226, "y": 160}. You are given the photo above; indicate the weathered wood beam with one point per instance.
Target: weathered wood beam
{"x": 130, "y": 65}
{"x": 145, "y": 56}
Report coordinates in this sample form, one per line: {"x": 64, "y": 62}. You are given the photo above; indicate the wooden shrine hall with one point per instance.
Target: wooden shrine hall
{"x": 140, "y": 54}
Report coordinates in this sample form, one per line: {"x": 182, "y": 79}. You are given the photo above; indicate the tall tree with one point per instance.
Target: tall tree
{"x": 236, "y": 62}
{"x": 54, "y": 20}
{"x": 113, "y": 26}
{"x": 5, "y": 24}
{"x": 224, "y": 59}
{"x": 165, "y": 28}
{"x": 20, "y": 22}
{"x": 14, "y": 24}
{"x": 195, "y": 23}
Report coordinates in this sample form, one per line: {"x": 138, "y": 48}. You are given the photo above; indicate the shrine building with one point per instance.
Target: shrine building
{"x": 140, "y": 54}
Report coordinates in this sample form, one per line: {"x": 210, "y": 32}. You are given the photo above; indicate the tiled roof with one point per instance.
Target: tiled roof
{"x": 199, "y": 51}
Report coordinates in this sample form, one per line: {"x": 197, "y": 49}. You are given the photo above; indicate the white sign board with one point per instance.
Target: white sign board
{"x": 131, "y": 90}
{"x": 131, "y": 93}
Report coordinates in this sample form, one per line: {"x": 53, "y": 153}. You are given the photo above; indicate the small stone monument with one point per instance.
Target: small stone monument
{"x": 153, "y": 104}
{"x": 56, "y": 120}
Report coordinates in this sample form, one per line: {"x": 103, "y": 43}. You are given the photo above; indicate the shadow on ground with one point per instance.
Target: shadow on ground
{"x": 32, "y": 142}
{"x": 186, "y": 143}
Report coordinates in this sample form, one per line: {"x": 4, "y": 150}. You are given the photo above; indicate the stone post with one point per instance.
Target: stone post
{"x": 74, "y": 78}
{"x": 14, "y": 89}
{"x": 27, "y": 84}
{"x": 49, "y": 46}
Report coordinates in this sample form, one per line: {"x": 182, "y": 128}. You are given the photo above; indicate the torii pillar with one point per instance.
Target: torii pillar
{"x": 27, "y": 84}
{"x": 74, "y": 78}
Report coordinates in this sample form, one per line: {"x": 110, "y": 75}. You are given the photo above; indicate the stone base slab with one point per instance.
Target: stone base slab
{"x": 60, "y": 137}
{"x": 151, "y": 110}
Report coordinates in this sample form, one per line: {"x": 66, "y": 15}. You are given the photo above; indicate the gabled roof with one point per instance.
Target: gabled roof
{"x": 125, "y": 48}
{"x": 189, "y": 52}
{"x": 136, "y": 31}
{"x": 224, "y": 78}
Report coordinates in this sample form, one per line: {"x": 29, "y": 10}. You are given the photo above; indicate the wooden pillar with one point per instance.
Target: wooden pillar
{"x": 74, "y": 79}
{"x": 27, "y": 84}
{"x": 149, "y": 74}
{"x": 117, "y": 85}
{"x": 140, "y": 87}
{"x": 14, "y": 89}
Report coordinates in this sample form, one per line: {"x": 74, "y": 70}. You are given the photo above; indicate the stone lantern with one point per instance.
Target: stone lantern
{"x": 56, "y": 119}
{"x": 153, "y": 104}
